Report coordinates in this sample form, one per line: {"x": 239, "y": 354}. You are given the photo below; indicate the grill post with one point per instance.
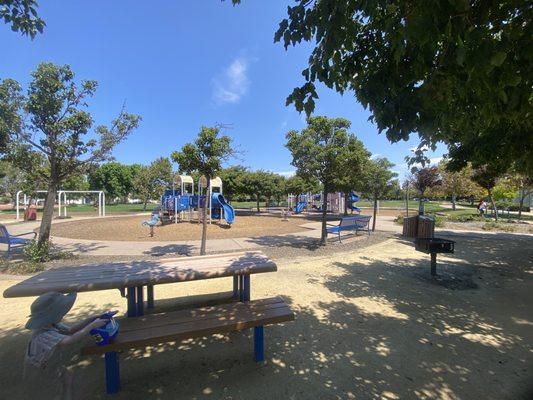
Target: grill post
{"x": 433, "y": 264}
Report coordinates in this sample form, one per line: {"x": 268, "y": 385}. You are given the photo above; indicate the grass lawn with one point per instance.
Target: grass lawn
{"x": 109, "y": 209}
{"x": 430, "y": 206}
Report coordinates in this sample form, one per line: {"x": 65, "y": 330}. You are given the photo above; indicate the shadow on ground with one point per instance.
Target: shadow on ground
{"x": 388, "y": 333}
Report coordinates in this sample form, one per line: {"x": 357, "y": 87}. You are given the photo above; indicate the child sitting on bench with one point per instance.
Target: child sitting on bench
{"x": 52, "y": 342}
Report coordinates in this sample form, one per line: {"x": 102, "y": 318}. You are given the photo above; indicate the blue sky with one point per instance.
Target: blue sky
{"x": 181, "y": 65}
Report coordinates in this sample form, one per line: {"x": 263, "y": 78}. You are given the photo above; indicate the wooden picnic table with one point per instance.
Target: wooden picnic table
{"x": 131, "y": 277}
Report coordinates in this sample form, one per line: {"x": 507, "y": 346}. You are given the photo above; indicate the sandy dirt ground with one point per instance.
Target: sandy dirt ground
{"x": 130, "y": 228}
{"x": 370, "y": 324}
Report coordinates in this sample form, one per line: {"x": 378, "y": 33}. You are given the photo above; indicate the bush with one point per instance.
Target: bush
{"x": 399, "y": 219}
{"x": 515, "y": 207}
{"x": 493, "y": 226}
{"x": 464, "y": 218}
{"x": 35, "y": 253}
{"x": 439, "y": 221}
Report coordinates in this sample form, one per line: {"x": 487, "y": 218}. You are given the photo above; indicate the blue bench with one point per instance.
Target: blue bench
{"x": 14, "y": 240}
{"x": 175, "y": 326}
{"x": 354, "y": 223}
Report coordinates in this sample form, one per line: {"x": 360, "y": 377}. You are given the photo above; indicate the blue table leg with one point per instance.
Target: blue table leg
{"x": 150, "y": 295}
{"x": 235, "y": 286}
{"x": 112, "y": 373}
{"x": 259, "y": 344}
{"x": 241, "y": 288}
{"x": 132, "y": 302}
{"x": 140, "y": 301}
{"x": 246, "y": 288}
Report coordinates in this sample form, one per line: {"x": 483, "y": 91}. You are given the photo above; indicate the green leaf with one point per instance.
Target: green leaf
{"x": 498, "y": 58}
{"x": 460, "y": 55}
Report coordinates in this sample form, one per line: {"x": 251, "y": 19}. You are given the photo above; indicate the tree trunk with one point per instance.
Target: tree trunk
{"x": 324, "y": 235}
{"x": 421, "y": 205}
{"x": 204, "y": 216}
{"x": 453, "y": 201}
{"x": 48, "y": 213}
{"x": 407, "y": 201}
{"x": 375, "y": 213}
{"x": 257, "y": 203}
{"x": 493, "y": 205}
{"x": 145, "y": 203}
{"x": 521, "y": 204}
{"x": 346, "y": 196}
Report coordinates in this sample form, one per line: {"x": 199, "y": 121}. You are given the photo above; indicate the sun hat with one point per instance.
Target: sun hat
{"x": 49, "y": 308}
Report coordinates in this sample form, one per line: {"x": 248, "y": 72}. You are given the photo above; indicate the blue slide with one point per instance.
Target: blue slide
{"x": 300, "y": 207}
{"x": 218, "y": 201}
{"x": 352, "y": 199}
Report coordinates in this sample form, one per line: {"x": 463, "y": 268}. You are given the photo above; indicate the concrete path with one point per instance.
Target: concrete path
{"x": 310, "y": 234}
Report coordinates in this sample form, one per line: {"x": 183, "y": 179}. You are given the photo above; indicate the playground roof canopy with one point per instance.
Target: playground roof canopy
{"x": 215, "y": 182}
{"x": 179, "y": 179}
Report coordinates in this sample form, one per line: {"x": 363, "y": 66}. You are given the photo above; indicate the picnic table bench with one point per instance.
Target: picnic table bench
{"x": 13, "y": 240}
{"x": 174, "y": 326}
{"x": 131, "y": 277}
{"x": 351, "y": 223}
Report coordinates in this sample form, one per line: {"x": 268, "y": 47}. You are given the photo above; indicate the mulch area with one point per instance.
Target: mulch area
{"x": 130, "y": 228}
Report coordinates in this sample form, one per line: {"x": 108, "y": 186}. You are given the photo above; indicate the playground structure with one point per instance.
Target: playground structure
{"x": 181, "y": 203}
{"x": 61, "y": 195}
{"x": 335, "y": 202}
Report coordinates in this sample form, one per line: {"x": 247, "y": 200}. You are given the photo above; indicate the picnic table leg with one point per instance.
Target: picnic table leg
{"x": 140, "y": 301}
{"x": 235, "y": 286}
{"x": 150, "y": 296}
{"x": 241, "y": 288}
{"x": 259, "y": 344}
{"x": 112, "y": 372}
{"x": 132, "y": 302}
{"x": 246, "y": 289}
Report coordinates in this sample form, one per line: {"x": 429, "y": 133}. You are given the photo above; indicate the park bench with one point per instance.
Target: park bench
{"x": 13, "y": 240}
{"x": 352, "y": 223}
{"x": 156, "y": 329}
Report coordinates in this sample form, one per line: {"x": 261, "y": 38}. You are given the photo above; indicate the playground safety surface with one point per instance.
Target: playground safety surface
{"x": 130, "y": 228}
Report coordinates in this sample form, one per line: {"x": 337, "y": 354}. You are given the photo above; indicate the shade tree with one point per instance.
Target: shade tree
{"x": 487, "y": 176}
{"x": 317, "y": 153}
{"x": 150, "y": 181}
{"x": 457, "y": 72}
{"x": 51, "y": 122}
{"x": 376, "y": 181}
{"x": 114, "y": 178}
{"x": 352, "y": 162}
{"x": 423, "y": 179}
{"x": 233, "y": 179}
{"x": 459, "y": 183}
{"x": 205, "y": 155}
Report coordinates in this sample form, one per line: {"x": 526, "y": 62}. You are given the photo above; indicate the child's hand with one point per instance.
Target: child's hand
{"x": 98, "y": 323}
{"x": 109, "y": 314}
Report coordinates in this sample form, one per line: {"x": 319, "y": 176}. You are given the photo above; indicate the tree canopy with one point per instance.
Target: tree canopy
{"x": 22, "y": 16}
{"x": 149, "y": 182}
{"x": 114, "y": 178}
{"x": 457, "y": 72}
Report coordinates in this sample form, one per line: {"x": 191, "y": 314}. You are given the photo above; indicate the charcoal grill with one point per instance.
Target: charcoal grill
{"x": 434, "y": 246}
